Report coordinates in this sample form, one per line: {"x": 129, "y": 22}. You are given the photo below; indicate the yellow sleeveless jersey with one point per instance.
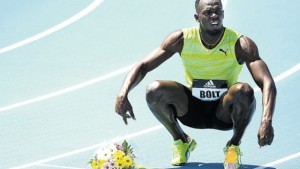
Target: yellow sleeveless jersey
{"x": 219, "y": 63}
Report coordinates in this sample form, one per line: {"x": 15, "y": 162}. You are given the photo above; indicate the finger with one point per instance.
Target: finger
{"x": 270, "y": 140}
{"x": 261, "y": 142}
{"x": 132, "y": 114}
{"x": 123, "y": 114}
{"x": 265, "y": 141}
{"x": 117, "y": 108}
{"x": 124, "y": 118}
{"x": 120, "y": 114}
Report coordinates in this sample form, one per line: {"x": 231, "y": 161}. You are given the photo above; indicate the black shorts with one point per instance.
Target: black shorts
{"x": 202, "y": 114}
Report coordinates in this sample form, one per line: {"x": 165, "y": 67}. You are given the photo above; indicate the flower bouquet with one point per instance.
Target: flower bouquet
{"x": 114, "y": 156}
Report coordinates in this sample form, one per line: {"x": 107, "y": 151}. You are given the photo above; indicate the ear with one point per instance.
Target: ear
{"x": 196, "y": 17}
{"x": 223, "y": 14}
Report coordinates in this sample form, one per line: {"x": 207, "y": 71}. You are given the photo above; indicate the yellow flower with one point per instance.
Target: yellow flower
{"x": 97, "y": 164}
{"x": 127, "y": 161}
{"x": 119, "y": 164}
{"x": 94, "y": 164}
{"x": 119, "y": 155}
{"x": 100, "y": 163}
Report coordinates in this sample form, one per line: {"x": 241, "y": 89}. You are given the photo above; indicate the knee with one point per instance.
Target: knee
{"x": 244, "y": 91}
{"x": 154, "y": 92}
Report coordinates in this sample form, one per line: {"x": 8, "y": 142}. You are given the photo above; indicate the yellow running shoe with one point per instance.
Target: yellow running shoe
{"x": 181, "y": 151}
{"x": 232, "y": 157}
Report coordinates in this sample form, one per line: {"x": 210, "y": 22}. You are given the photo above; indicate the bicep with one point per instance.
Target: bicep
{"x": 257, "y": 67}
{"x": 155, "y": 58}
{"x": 247, "y": 52}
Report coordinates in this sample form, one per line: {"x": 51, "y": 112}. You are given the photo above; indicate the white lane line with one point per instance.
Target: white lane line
{"x": 282, "y": 160}
{"x": 283, "y": 75}
{"x": 84, "y": 12}
{"x": 67, "y": 90}
{"x": 93, "y": 147}
{"x": 287, "y": 73}
{"x": 47, "y": 32}
{"x": 58, "y": 166}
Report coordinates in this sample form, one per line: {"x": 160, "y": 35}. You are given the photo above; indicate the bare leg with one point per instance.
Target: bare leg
{"x": 166, "y": 100}
{"x": 237, "y": 106}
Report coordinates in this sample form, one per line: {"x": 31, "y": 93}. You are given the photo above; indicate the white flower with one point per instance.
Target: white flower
{"x": 103, "y": 154}
{"x": 112, "y": 149}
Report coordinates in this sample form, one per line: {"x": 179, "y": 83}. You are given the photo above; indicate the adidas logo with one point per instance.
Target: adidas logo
{"x": 210, "y": 84}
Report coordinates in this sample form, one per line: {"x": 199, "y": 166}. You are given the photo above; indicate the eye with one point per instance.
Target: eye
{"x": 219, "y": 11}
{"x": 207, "y": 13}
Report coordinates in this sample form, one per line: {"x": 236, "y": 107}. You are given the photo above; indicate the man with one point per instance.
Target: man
{"x": 212, "y": 56}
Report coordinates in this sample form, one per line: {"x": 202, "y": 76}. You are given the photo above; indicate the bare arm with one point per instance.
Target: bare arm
{"x": 247, "y": 52}
{"x": 172, "y": 44}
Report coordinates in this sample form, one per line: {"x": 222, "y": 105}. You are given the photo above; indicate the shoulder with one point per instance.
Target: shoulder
{"x": 232, "y": 33}
{"x": 173, "y": 42}
{"x": 246, "y": 50}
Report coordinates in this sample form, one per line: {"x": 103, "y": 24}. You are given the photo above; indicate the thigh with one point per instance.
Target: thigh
{"x": 163, "y": 93}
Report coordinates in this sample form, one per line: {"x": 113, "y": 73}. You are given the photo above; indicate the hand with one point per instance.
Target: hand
{"x": 123, "y": 107}
{"x": 265, "y": 134}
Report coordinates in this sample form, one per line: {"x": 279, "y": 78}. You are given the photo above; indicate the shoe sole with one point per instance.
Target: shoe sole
{"x": 231, "y": 166}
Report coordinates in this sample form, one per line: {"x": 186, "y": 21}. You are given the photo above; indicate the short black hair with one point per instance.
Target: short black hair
{"x": 197, "y": 3}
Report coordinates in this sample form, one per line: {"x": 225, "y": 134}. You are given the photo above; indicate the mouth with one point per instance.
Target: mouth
{"x": 215, "y": 23}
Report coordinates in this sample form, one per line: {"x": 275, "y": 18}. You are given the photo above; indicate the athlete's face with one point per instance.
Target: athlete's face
{"x": 210, "y": 15}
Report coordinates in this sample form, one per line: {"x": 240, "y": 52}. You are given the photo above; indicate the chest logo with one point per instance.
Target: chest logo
{"x": 224, "y": 51}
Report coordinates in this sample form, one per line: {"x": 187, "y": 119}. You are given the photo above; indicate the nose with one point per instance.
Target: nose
{"x": 214, "y": 15}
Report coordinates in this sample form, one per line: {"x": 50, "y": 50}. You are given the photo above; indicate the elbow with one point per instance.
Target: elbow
{"x": 142, "y": 68}
{"x": 274, "y": 89}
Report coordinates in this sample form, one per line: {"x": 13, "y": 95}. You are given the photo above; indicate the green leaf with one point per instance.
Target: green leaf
{"x": 127, "y": 148}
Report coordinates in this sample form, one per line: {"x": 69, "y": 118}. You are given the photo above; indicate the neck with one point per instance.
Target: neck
{"x": 211, "y": 39}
